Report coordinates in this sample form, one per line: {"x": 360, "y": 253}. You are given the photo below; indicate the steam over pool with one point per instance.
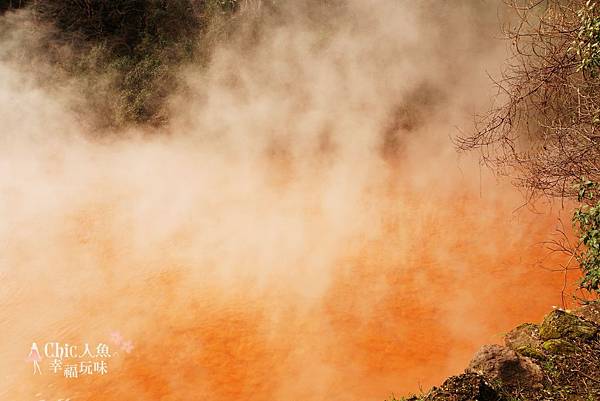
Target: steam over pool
{"x": 301, "y": 229}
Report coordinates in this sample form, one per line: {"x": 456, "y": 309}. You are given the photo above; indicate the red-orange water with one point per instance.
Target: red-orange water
{"x": 401, "y": 311}
{"x": 300, "y": 231}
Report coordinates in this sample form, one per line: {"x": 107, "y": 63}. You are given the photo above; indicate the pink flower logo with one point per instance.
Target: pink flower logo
{"x": 117, "y": 339}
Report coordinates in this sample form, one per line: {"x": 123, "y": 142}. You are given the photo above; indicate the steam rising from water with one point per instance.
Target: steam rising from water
{"x": 301, "y": 229}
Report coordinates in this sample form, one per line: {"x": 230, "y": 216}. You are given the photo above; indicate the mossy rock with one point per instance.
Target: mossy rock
{"x": 559, "y": 346}
{"x": 560, "y": 324}
{"x": 531, "y": 352}
{"x": 525, "y": 340}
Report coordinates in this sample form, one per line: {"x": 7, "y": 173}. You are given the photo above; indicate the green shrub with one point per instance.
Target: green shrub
{"x": 586, "y": 220}
{"x": 588, "y": 39}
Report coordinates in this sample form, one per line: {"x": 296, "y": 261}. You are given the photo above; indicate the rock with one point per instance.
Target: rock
{"x": 590, "y": 312}
{"x": 560, "y": 324}
{"x": 465, "y": 387}
{"x": 497, "y": 362}
{"x": 525, "y": 340}
{"x": 559, "y": 346}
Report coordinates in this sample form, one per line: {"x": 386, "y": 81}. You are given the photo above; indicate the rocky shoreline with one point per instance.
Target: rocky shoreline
{"x": 558, "y": 359}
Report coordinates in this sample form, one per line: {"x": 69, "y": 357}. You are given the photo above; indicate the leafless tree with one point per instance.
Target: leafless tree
{"x": 545, "y": 125}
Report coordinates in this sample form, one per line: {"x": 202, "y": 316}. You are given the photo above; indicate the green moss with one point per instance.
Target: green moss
{"x": 525, "y": 340}
{"x": 559, "y": 324}
{"x": 530, "y": 351}
{"x": 558, "y": 346}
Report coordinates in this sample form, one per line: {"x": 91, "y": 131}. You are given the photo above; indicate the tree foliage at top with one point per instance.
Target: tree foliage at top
{"x": 588, "y": 39}
{"x": 126, "y": 26}
{"x": 546, "y": 125}
{"x": 139, "y": 43}
{"x": 586, "y": 221}
{"x": 6, "y": 5}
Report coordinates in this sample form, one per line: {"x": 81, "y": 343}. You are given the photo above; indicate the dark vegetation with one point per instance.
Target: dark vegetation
{"x": 6, "y": 5}
{"x": 136, "y": 44}
{"x": 125, "y": 54}
{"x": 142, "y": 42}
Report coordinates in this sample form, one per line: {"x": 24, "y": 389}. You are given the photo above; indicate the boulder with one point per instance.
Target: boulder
{"x": 559, "y": 346}
{"x": 590, "y": 312}
{"x": 525, "y": 340}
{"x": 562, "y": 325}
{"x": 496, "y": 362}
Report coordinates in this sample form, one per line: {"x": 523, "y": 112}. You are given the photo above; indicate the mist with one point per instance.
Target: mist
{"x": 301, "y": 228}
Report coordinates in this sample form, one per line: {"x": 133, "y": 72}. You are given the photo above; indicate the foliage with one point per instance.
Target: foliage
{"x": 545, "y": 124}
{"x": 11, "y": 4}
{"x": 586, "y": 221}
{"x": 587, "y": 45}
{"x": 124, "y": 55}
{"x": 125, "y": 26}
{"x": 135, "y": 45}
